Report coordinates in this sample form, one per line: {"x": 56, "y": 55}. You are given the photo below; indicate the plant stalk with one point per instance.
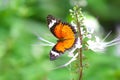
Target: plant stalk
{"x": 79, "y": 50}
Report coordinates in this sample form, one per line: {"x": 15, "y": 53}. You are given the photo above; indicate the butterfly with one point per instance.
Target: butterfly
{"x": 64, "y": 32}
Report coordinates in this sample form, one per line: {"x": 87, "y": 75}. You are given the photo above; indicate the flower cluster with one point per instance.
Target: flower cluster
{"x": 91, "y": 41}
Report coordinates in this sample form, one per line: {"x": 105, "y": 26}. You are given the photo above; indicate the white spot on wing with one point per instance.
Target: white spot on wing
{"x": 55, "y": 53}
{"x": 52, "y": 23}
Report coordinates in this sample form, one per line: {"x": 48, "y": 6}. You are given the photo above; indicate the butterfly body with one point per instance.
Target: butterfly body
{"x": 64, "y": 32}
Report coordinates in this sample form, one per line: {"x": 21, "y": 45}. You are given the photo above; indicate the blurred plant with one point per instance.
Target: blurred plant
{"x": 81, "y": 3}
{"x": 86, "y": 40}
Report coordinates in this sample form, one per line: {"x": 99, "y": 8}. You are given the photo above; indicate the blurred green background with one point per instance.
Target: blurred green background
{"x": 21, "y": 56}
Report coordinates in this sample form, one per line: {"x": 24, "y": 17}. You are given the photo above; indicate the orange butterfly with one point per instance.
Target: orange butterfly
{"x": 65, "y": 34}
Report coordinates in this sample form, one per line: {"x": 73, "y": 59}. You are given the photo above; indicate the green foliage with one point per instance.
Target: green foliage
{"x": 20, "y": 59}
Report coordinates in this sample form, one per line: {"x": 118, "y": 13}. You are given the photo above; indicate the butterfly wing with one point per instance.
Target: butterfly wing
{"x": 52, "y": 24}
{"x": 62, "y": 31}
{"x": 60, "y": 48}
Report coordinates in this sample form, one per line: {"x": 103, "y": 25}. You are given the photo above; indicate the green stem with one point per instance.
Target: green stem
{"x": 79, "y": 50}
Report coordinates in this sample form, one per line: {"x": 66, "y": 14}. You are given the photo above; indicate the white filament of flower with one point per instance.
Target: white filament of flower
{"x": 46, "y": 41}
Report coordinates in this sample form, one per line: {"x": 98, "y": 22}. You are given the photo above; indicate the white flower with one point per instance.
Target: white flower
{"x": 91, "y": 24}
{"x": 78, "y": 44}
{"x": 89, "y": 36}
{"x": 82, "y": 31}
{"x": 71, "y": 53}
{"x": 74, "y": 25}
{"x": 99, "y": 45}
